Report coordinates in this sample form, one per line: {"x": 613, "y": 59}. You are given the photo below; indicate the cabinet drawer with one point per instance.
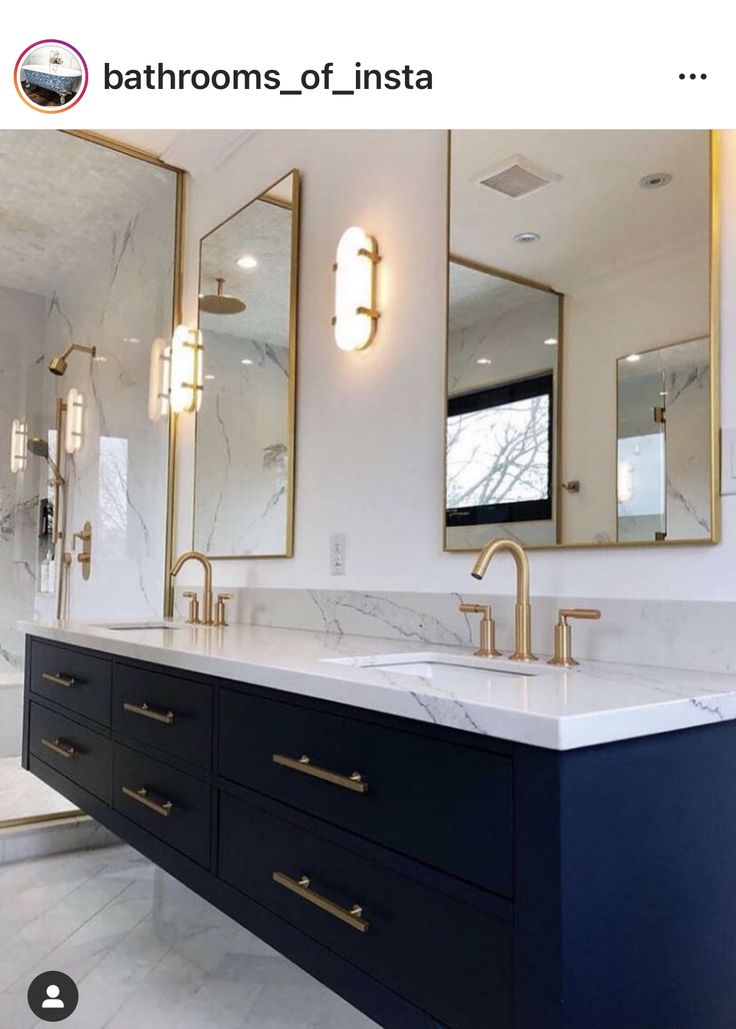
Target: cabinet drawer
{"x": 77, "y": 680}
{"x": 446, "y": 805}
{"x": 171, "y": 713}
{"x": 169, "y": 804}
{"x": 451, "y": 960}
{"x": 73, "y": 750}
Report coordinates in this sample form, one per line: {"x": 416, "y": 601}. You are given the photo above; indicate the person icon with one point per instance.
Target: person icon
{"x": 52, "y": 997}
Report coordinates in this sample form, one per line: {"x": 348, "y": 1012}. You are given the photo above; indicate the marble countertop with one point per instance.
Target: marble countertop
{"x": 559, "y": 709}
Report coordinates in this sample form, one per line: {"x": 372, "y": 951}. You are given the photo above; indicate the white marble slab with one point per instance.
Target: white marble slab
{"x": 597, "y": 702}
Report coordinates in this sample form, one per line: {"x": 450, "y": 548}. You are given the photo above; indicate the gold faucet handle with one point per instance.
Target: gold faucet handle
{"x": 578, "y": 612}
{"x": 487, "y": 629}
{"x": 563, "y": 634}
{"x": 193, "y": 617}
{"x": 222, "y": 599}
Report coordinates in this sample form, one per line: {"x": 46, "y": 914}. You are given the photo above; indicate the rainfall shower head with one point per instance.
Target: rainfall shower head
{"x": 38, "y": 446}
{"x": 59, "y": 363}
{"x": 221, "y": 302}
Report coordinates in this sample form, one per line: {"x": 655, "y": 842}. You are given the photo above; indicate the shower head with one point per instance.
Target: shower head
{"x": 38, "y": 446}
{"x": 59, "y": 363}
{"x": 221, "y": 302}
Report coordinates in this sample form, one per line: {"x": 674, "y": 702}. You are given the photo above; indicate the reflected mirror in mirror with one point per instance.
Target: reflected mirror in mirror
{"x": 580, "y": 310}
{"x": 244, "y": 475}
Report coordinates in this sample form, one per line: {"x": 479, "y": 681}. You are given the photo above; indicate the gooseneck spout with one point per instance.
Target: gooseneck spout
{"x": 523, "y": 651}
{"x": 197, "y": 555}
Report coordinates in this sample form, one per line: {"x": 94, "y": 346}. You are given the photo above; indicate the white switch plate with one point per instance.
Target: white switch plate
{"x": 728, "y": 461}
{"x": 337, "y": 554}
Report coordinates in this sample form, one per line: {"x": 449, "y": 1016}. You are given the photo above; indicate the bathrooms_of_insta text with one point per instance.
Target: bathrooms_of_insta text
{"x": 346, "y": 83}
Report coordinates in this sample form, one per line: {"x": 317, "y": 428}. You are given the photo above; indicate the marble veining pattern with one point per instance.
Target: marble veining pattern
{"x": 145, "y": 951}
{"x": 595, "y": 702}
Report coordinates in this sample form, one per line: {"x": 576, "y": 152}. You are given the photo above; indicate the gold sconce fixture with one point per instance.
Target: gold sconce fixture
{"x": 18, "y": 441}
{"x": 356, "y": 314}
{"x": 187, "y": 370}
{"x": 159, "y": 380}
{"x": 73, "y": 434}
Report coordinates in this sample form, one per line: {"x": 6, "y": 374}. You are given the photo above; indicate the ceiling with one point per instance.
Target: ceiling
{"x": 55, "y": 192}
{"x": 596, "y": 218}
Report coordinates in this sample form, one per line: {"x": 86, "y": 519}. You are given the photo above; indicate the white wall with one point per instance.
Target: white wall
{"x": 370, "y": 425}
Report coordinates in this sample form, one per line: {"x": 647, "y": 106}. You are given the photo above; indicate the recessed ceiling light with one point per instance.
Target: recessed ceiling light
{"x": 663, "y": 393}
{"x": 210, "y": 377}
{"x": 247, "y": 261}
{"x": 633, "y": 358}
{"x": 551, "y": 342}
{"x": 527, "y": 237}
{"x": 131, "y": 339}
{"x": 246, "y": 360}
{"x": 655, "y": 180}
{"x": 484, "y": 360}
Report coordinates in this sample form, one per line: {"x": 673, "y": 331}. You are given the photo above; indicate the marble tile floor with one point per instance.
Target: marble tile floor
{"x": 146, "y": 952}
{"x": 22, "y": 795}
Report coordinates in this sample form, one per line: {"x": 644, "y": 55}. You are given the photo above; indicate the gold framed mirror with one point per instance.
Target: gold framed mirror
{"x": 245, "y": 429}
{"x": 581, "y": 392}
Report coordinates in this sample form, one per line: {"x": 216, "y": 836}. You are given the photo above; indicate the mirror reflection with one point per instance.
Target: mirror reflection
{"x": 579, "y": 310}
{"x": 243, "y": 494}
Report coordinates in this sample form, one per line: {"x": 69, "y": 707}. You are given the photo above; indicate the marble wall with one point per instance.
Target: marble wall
{"x": 119, "y": 300}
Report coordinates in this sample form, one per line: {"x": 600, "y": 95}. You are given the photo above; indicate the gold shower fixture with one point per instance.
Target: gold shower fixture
{"x": 58, "y": 364}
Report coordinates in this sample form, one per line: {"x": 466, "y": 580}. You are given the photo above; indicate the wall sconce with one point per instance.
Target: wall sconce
{"x": 73, "y": 434}
{"x": 159, "y": 380}
{"x": 355, "y": 290}
{"x": 186, "y": 370}
{"x": 18, "y": 443}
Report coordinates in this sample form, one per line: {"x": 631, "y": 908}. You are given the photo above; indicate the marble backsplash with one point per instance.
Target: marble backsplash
{"x": 669, "y": 633}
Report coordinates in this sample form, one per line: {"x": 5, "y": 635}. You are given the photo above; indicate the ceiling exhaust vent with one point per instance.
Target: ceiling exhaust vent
{"x": 517, "y": 177}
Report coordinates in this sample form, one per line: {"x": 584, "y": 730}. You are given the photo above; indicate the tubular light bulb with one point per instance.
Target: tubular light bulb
{"x": 187, "y": 372}
{"x": 74, "y": 421}
{"x": 18, "y": 443}
{"x": 355, "y": 290}
{"x": 159, "y": 380}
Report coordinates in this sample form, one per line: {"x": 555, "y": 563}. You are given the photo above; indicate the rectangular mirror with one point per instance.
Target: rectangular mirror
{"x": 244, "y": 469}
{"x": 581, "y": 338}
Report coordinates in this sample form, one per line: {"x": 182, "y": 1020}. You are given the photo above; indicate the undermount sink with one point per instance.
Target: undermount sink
{"x": 437, "y": 667}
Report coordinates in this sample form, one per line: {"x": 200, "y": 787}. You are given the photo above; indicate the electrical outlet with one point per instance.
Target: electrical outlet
{"x": 337, "y": 554}
{"x": 728, "y": 461}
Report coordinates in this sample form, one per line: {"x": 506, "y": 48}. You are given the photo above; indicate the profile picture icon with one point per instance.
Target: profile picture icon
{"x": 51, "y": 76}
{"x": 53, "y": 996}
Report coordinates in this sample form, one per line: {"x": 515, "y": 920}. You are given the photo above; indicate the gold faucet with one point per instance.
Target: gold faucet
{"x": 197, "y": 555}
{"x": 523, "y": 651}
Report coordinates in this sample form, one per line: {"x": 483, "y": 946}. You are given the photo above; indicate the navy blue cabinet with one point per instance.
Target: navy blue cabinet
{"x": 434, "y": 878}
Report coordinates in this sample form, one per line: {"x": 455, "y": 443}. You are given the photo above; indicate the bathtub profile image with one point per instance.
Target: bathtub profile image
{"x": 51, "y": 76}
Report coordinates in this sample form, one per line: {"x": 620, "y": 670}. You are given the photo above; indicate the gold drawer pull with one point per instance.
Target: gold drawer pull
{"x": 59, "y": 679}
{"x": 353, "y": 782}
{"x": 62, "y": 749}
{"x": 302, "y": 888}
{"x": 167, "y": 717}
{"x": 140, "y": 794}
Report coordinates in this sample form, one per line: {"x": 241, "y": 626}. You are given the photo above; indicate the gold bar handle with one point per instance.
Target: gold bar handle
{"x": 302, "y": 888}
{"x": 354, "y": 782}
{"x": 59, "y": 679}
{"x": 167, "y": 717}
{"x": 62, "y": 749}
{"x": 140, "y": 794}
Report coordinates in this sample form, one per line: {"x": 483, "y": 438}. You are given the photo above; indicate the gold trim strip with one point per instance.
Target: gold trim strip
{"x": 302, "y": 888}
{"x": 57, "y": 816}
{"x": 354, "y": 782}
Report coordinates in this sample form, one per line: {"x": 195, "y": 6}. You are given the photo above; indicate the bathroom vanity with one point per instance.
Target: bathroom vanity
{"x": 444, "y": 842}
